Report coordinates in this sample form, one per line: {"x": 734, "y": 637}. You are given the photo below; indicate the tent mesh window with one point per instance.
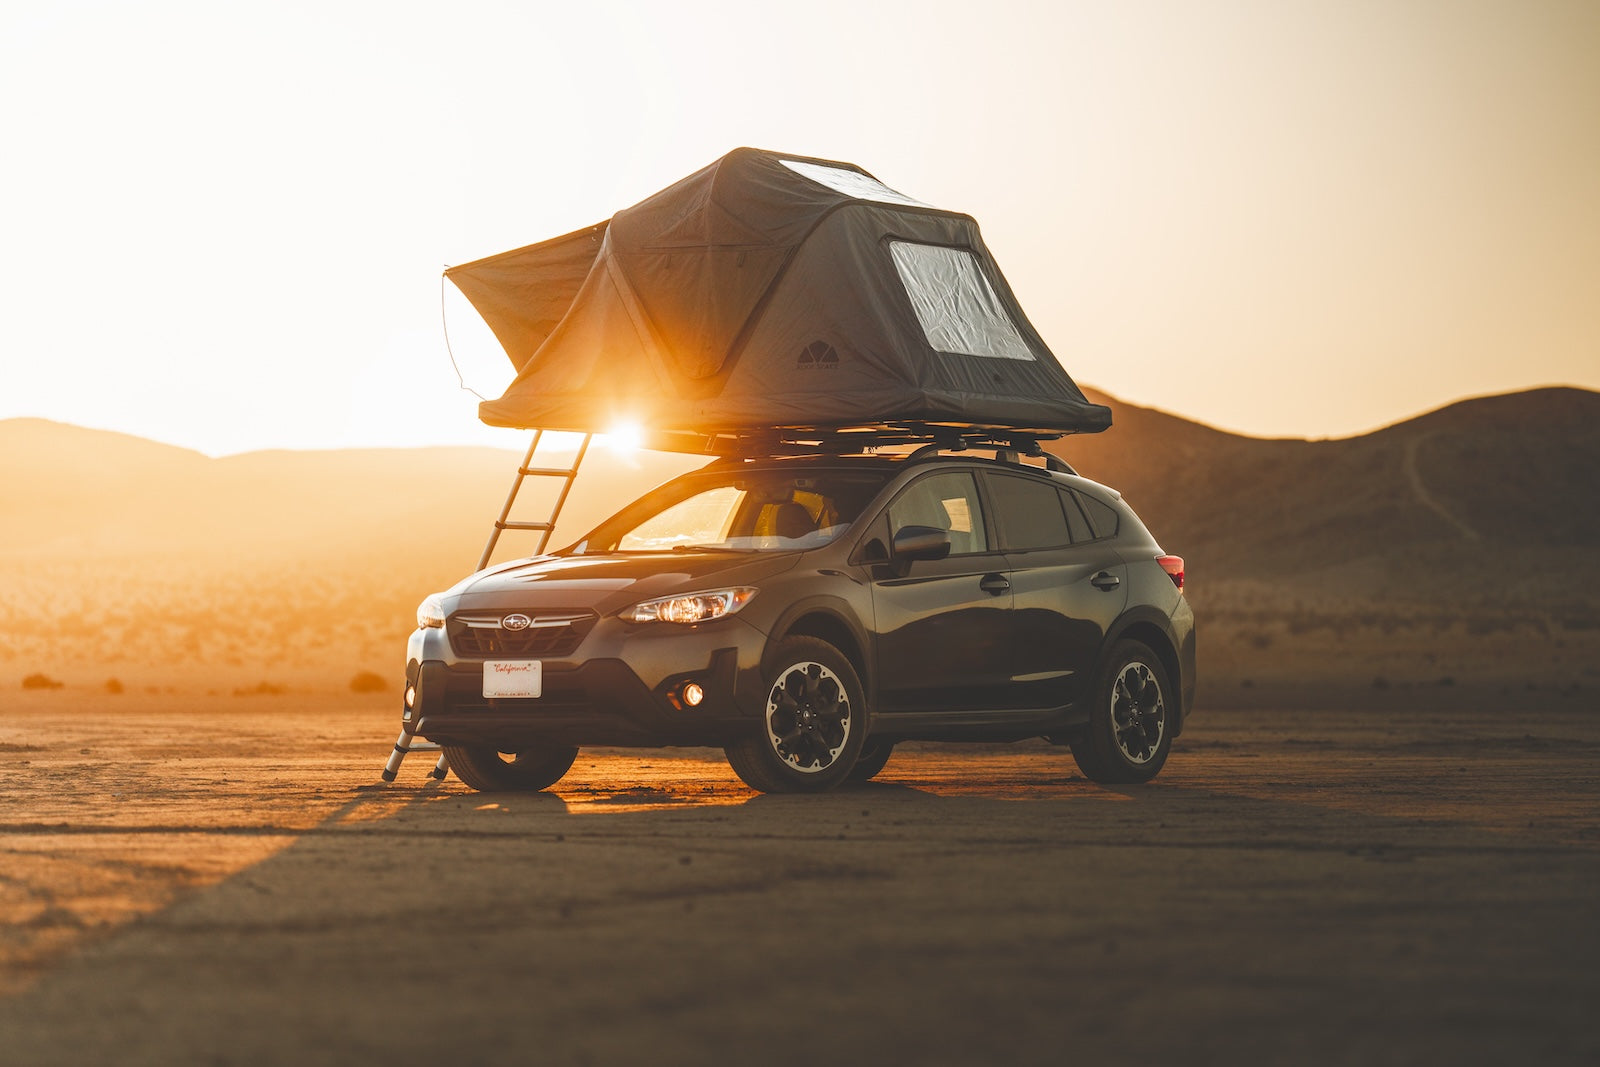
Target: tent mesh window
{"x": 955, "y": 303}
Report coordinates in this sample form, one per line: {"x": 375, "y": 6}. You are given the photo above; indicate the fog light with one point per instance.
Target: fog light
{"x": 411, "y": 696}
{"x": 693, "y": 694}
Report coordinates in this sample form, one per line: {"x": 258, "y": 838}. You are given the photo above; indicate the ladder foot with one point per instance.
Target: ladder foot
{"x": 401, "y": 747}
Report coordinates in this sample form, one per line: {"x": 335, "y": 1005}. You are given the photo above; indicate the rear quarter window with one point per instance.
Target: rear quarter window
{"x": 1102, "y": 516}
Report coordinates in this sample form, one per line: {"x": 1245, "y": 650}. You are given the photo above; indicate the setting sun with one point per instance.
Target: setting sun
{"x": 624, "y": 437}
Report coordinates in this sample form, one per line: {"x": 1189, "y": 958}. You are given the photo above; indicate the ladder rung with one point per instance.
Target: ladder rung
{"x": 523, "y": 526}
{"x": 551, "y": 472}
{"x": 423, "y": 746}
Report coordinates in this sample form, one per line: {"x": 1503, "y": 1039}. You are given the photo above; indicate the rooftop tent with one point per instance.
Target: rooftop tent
{"x": 769, "y": 292}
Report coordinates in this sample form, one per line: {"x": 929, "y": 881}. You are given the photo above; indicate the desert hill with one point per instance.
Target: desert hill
{"x": 1480, "y": 478}
{"x": 1450, "y": 550}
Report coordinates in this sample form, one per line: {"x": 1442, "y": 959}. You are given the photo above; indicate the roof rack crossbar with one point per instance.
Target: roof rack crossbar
{"x": 842, "y": 441}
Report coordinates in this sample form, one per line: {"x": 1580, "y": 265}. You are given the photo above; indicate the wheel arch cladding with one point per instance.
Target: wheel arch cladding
{"x": 1156, "y": 640}
{"x": 828, "y": 627}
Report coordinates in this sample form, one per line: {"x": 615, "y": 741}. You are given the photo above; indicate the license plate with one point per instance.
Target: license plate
{"x": 513, "y": 678}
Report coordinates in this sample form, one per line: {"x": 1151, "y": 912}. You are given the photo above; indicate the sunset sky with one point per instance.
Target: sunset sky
{"x": 224, "y": 224}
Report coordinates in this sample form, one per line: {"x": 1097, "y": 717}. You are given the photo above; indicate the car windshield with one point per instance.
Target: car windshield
{"x": 739, "y": 511}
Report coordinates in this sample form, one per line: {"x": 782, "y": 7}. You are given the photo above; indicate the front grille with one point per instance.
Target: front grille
{"x": 552, "y": 633}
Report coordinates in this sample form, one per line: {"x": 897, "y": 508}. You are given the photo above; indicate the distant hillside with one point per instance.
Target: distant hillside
{"x": 131, "y": 558}
{"x": 71, "y": 489}
{"x": 1452, "y": 551}
{"x": 1435, "y": 506}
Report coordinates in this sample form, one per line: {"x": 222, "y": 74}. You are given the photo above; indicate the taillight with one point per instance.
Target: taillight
{"x": 1173, "y": 565}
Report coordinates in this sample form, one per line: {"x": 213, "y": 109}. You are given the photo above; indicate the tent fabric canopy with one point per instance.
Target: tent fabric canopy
{"x": 769, "y": 292}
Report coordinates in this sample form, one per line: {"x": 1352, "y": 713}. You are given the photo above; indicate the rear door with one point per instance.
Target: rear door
{"x": 1067, "y": 582}
{"x": 943, "y": 626}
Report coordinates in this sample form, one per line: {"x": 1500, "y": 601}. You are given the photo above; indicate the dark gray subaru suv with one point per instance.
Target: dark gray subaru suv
{"x": 806, "y": 614}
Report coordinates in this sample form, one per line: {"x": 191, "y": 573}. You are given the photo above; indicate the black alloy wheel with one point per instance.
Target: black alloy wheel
{"x": 813, "y": 725}
{"x": 1130, "y": 731}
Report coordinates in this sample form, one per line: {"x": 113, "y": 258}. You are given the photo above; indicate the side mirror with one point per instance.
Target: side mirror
{"x": 912, "y": 543}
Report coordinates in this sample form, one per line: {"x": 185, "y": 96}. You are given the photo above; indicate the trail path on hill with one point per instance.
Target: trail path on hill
{"x": 1425, "y": 498}
{"x": 186, "y": 887}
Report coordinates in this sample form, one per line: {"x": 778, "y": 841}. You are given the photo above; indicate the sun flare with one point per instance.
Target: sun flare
{"x": 624, "y": 437}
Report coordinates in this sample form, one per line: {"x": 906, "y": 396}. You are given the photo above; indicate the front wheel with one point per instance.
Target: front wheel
{"x": 1130, "y": 720}
{"x": 874, "y": 757}
{"x": 488, "y": 770}
{"x": 813, "y": 724}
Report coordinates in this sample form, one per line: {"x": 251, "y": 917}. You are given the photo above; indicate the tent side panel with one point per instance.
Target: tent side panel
{"x": 840, "y": 343}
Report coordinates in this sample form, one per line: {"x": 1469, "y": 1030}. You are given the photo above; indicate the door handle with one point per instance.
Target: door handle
{"x": 994, "y": 584}
{"x": 1105, "y": 581}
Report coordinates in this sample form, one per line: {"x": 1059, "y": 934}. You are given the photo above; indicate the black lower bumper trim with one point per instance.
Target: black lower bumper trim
{"x": 601, "y": 702}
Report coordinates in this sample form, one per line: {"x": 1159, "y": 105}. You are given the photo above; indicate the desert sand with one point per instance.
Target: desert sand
{"x": 226, "y": 881}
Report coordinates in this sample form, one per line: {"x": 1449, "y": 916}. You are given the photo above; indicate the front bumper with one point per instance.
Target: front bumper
{"x": 619, "y": 688}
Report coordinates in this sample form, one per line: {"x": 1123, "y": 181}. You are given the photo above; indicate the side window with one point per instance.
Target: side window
{"x": 1028, "y": 513}
{"x": 1102, "y": 516}
{"x": 1075, "y": 518}
{"x": 946, "y": 502}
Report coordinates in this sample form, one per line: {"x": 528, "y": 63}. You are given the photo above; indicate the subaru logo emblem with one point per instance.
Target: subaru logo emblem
{"x": 516, "y": 622}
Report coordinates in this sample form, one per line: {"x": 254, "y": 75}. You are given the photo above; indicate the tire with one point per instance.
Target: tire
{"x": 1130, "y": 718}
{"x": 874, "y": 755}
{"x": 813, "y": 724}
{"x": 489, "y": 771}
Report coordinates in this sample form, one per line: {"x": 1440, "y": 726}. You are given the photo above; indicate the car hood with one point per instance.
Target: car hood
{"x": 607, "y": 583}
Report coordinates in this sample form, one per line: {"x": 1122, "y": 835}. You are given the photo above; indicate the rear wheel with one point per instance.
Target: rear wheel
{"x": 488, "y": 770}
{"x": 813, "y": 725}
{"x": 1130, "y": 720}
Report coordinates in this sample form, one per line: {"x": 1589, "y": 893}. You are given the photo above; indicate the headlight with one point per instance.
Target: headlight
{"x": 430, "y": 612}
{"x": 691, "y": 607}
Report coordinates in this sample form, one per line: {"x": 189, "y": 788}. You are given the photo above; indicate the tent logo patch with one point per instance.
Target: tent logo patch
{"x": 818, "y": 355}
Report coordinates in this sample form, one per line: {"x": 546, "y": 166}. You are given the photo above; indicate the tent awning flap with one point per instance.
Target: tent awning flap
{"x": 523, "y": 294}
{"x": 769, "y": 291}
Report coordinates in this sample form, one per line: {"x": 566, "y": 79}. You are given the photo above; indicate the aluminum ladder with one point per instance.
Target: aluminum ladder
{"x": 405, "y": 745}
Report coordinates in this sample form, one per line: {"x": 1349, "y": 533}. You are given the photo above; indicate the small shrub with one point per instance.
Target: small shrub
{"x": 368, "y": 682}
{"x": 41, "y": 681}
{"x": 113, "y": 686}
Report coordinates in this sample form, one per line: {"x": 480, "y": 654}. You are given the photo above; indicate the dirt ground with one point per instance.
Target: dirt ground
{"x": 216, "y": 885}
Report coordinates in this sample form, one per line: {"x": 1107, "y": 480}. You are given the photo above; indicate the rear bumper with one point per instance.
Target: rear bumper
{"x": 1183, "y": 633}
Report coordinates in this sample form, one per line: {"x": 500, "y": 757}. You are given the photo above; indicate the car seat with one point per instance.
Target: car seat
{"x": 792, "y": 521}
